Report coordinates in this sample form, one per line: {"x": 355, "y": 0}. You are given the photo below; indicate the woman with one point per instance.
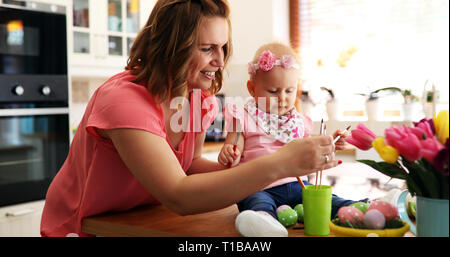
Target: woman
{"x": 126, "y": 153}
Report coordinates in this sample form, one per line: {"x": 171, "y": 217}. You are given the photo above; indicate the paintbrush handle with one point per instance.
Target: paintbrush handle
{"x": 234, "y": 147}
{"x": 234, "y": 150}
{"x": 339, "y": 137}
{"x": 301, "y": 183}
{"x": 336, "y": 139}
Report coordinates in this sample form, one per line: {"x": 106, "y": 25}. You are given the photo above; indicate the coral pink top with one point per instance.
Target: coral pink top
{"x": 259, "y": 143}
{"x": 94, "y": 178}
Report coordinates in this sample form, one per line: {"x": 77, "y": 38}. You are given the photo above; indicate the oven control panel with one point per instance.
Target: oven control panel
{"x": 33, "y": 88}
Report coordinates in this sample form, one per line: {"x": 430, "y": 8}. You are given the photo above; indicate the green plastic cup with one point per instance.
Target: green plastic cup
{"x": 317, "y": 210}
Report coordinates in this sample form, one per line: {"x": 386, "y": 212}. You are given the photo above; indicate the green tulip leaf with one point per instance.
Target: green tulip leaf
{"x": 429, "y": 182}
{"x": 412, "y": 187}
{"x": 387, "y": 169}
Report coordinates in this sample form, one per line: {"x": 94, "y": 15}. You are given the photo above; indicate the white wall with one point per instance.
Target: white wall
{"x": 254, "y": 23}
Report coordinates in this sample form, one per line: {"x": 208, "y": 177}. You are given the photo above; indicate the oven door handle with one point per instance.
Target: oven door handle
{"x": 33, "y": 111}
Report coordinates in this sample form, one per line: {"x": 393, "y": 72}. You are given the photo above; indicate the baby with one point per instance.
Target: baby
{"x": 267, "y": 122}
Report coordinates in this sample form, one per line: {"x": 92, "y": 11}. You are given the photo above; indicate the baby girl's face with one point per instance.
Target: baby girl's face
{"x": 278, "y": 83}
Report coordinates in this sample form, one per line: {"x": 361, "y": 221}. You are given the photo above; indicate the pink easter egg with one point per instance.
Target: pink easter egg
{"x": 283, "y": 207}
{"x": 389, "y": 211}
{"x": 374, "y": 219}
{"x": 351, "y": 215}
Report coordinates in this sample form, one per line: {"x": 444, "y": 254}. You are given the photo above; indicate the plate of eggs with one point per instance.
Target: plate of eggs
{"x": 379, "y": 219}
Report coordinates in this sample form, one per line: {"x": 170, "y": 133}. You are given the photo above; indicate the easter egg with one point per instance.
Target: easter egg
{"x": 287, "y": 217}
{"x": 374, "y": 219}
{"x": 283, "y": 207}
{"x": 411, "y": 209}
{"x": 350, "y": 215}
{"x": 362, "y": 206}
{"x": 300, "y": 212}
{"x": 389, "y": 211}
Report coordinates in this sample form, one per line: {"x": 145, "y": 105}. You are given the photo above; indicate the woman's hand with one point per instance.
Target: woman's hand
{"x": 341, "y": 144}
{"x": 227, "y": 155}
{"x": 307, "y": 155}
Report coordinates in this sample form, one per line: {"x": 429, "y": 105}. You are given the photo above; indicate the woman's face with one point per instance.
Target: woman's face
{"x": 209, "y": 55}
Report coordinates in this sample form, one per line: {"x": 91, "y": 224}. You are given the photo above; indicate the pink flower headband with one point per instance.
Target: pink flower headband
{"x": 267, "y": 60}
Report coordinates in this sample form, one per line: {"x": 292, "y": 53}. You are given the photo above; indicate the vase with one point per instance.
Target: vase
{"x": 428, "y": 110}
{"x": 307, "y": 108}
{"x": 432, "y": 217}
{"x": 410, "y": 111}
{"x": 374, "y": 110}
{"x": 333, "y": 110}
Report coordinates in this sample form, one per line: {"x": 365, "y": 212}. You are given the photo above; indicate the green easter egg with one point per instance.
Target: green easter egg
{"x": 287, "y": 217}
{"x": 411, "y": 209}
{"x": 300, "y": 213}
{"x": 360, "y": 206}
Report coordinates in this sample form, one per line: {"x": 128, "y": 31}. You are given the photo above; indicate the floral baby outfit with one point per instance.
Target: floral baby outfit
{"x": 284, "y": 128}
{"x": 266, "y": 133}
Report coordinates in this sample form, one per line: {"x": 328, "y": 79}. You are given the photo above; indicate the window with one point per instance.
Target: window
{"x": 357, "y": 46}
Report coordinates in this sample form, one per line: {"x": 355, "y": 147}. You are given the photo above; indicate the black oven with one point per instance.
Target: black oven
{"x": 34, "y": 114}
{"x": 215, "y": 132}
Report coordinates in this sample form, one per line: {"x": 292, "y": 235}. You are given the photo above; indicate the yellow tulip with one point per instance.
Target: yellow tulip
{"x": 387, "y": 153}
{"x": 441, "y": 126}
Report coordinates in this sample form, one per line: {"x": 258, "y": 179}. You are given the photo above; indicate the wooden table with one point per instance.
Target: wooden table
{"x": 158, "y": 221}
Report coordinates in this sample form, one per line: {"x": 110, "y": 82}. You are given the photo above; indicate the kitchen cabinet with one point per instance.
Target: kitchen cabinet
{"x": 101, "y": 32}
{"x": 21, "y": 220}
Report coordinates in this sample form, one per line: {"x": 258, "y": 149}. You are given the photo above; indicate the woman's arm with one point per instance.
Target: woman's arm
{"x": 154, "y": 165}
{"x": 200, "y": 164}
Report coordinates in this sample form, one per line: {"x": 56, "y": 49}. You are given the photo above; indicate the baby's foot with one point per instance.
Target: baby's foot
{"x": 259, "y": 224}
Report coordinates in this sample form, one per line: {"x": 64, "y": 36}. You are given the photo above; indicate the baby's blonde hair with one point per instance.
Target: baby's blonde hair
{"x": 278, "y": 49}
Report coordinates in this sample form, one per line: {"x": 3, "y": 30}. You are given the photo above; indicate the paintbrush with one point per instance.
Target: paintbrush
{"x": 301, "y": 182}
{"x": 234, "y": 147}
{"x": 320, "y": 183}
{"x": 339, "y": 137}
{"x": 321, "y": 133}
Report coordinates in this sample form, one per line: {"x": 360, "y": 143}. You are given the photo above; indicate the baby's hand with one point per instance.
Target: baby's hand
{"x": 341, "y": 143}
{"x": 227, "y": 155}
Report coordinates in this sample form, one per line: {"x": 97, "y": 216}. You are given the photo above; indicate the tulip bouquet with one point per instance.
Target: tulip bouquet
{"x": 419, "y": 155}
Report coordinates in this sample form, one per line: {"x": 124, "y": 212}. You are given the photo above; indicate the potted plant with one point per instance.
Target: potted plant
{"x": 373, "y": 109}
{"x": 429, "y": 99}
{"x": 410, "y": 101}
{"x": 410, "y": 104}
{"x": 420, "y": 156}
{"x": 333, "y": 106}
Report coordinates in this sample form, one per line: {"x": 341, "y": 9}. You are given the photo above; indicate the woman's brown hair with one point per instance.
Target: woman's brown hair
{"x": 162, "y": 52}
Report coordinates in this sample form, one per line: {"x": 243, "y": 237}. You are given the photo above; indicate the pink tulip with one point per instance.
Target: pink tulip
{"x": 429, "y": 123}
{"x": 441, "y": 160}
{"x": 361, "y": 137}
{"x": 420, "y": 133}
{"x": 425, "y": 127}
{"x": 430, "y": 148}
{"x": 406, "y": 143}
